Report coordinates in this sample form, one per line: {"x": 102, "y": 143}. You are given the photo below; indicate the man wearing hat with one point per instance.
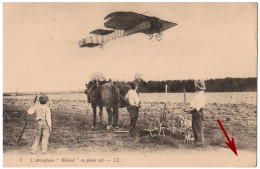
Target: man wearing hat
{"x": 196, "y": 109}
{"x": 43, "y": 118}
{"x": 133, "y": 107}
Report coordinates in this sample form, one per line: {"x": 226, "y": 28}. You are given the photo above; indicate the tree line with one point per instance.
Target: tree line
{"x": 212, "y": 85}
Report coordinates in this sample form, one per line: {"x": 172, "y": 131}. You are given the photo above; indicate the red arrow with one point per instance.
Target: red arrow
{"x": 230, "y": 143}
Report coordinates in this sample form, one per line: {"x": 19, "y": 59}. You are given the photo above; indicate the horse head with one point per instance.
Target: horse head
{"x": 89, "y": 87}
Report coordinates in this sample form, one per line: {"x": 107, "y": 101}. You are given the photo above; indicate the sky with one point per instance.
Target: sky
{"x": 41, "y": 51}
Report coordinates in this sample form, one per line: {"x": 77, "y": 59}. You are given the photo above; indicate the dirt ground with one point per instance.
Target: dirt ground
{"x": 72, "y": 131}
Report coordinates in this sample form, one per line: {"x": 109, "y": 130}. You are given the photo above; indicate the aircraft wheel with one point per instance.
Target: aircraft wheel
{"x": 159, "y": 37}
{"x": 149, "y": 36}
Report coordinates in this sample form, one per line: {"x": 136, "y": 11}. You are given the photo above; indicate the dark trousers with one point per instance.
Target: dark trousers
{"x": 197, "y": 126}
{"x": 134, "y": 112}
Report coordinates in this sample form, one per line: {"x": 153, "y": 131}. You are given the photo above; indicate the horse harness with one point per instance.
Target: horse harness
{"x": 112, "y": 87}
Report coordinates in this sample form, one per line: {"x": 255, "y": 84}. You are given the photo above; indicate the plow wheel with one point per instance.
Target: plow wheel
{"x": 155, "y": 128}
{"x": 172, "y": 128}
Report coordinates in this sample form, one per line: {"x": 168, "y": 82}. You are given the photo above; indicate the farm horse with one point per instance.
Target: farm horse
{"x": 109, "y": 95}
{"x": 103, "y": 94}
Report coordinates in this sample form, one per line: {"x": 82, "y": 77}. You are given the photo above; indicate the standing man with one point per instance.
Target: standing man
{"x": 43, "y": 118}
{"x": 133, "y": 107}
{"x": 196, "y": 109}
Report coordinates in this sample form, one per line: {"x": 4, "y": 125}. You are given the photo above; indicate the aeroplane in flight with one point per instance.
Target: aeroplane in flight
{"x": 124, "y": 24}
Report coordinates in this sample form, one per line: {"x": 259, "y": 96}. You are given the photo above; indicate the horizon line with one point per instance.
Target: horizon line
{"x": 79, "y": 90}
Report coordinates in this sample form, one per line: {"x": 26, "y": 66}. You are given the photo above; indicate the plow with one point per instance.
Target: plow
{"x": 174, "y": 122}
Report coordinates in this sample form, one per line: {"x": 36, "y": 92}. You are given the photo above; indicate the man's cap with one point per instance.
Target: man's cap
{"x": 133, "y": 85}
{"x": 43, "y": 99}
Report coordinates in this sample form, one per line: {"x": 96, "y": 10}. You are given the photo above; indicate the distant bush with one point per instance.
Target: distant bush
{"x": 212, "y": 85}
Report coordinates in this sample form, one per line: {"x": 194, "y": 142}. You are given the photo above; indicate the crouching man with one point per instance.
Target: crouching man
{"x": 43, "y": 118}
{"x": 196, "y": 109}
{"x": 133, "y": 107}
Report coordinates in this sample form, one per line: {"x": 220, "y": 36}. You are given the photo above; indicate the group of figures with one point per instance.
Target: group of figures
{"x": 111, "y": 96}
{"x": 107, "y": 94}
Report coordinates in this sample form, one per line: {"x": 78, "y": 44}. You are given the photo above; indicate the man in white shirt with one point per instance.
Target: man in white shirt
{"x": 196, "y": 109}
{"x": 133, "y": 107}
{"x": 43, "y": 117}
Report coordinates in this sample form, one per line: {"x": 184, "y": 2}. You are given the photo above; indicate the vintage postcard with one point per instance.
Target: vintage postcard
{"x": 129, "y": 84}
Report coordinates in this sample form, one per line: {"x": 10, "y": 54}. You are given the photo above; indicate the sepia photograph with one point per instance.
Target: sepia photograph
{"x": 130, "y": 84}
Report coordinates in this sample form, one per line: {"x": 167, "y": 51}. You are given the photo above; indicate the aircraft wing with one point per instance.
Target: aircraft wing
{"x": 124, "y": 20}
{"x": 101, "y": 32}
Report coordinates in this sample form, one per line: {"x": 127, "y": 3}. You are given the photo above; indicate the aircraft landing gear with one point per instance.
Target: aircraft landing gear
{"x": 159, "y": 36}
{"x": 149, "y": 36}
